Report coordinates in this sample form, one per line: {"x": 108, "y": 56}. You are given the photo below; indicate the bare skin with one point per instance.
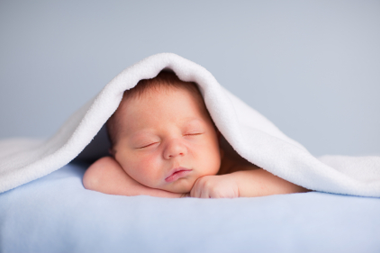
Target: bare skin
{"x": 107, "y": 176}
{"x": 236, "y": 179}
{"x": 169, "y": 130}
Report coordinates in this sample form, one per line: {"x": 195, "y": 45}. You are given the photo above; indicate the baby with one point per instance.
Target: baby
{"x": 165, "y": 144}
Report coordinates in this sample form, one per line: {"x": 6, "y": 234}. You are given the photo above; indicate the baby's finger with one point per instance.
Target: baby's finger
{"x": 198, "y": 193}
{"x": 195, "y": 192}
{"x": 205, "y": 194}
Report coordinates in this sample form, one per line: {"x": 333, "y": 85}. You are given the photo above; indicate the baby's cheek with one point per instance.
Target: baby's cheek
{"x": 145, "y": 169}
{"x": 211, "y": 159}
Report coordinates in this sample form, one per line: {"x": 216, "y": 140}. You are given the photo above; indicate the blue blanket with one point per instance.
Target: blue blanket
{"x": 56, "y": 214}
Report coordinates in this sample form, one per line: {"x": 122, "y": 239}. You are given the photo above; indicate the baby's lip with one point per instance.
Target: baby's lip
{"x": 177, "y": 173}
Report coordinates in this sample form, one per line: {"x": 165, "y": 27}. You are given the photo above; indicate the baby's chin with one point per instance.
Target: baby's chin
{"x": 180, "y": 186}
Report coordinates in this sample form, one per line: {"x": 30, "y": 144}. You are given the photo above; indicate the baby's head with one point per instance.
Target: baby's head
{"x": 163, "y": 136}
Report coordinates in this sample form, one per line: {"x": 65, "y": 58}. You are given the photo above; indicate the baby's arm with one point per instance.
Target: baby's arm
{"x": 107, "y": 176}
{"x": 244, "y": 183}
{"x": 260, "y": 182}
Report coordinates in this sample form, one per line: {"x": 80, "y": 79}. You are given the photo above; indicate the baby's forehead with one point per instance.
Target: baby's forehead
{"x": 183, "y": 125}
{"x": 144, "y": 91}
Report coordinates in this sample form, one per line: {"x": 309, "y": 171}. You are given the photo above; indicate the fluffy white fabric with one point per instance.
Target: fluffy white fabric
{"x": 249, "y": 133}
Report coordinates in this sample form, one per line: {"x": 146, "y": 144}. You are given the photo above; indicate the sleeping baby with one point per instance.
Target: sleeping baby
{"x": 165, "y": 144}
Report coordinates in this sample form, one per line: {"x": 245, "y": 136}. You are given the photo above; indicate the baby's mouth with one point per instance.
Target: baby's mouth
{"x": 177, "y": 173}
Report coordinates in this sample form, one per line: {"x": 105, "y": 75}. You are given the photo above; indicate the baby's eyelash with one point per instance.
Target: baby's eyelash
{"x": 192, "y": 134}
{"x": 148, "y": 145}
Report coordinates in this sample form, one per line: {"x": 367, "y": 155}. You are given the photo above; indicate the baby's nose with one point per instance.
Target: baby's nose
{"x": 174, "y": 148}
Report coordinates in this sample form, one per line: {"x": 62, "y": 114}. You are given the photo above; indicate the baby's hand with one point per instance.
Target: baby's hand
{"x": 223, "y": 186}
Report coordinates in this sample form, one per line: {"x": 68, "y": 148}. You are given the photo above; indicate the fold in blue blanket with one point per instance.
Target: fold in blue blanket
{"x": 251, "y": 135}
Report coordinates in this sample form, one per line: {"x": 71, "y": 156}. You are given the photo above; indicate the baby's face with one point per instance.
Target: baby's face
{"x": 167, "y": 140}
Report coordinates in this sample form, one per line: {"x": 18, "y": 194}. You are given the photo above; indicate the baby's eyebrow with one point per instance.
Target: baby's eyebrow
{"x": 193, "y": 123}
{"x": 142, "y": 134}
{"x": 192, "y": 120}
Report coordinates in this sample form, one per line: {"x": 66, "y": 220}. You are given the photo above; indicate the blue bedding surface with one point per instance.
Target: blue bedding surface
{"x": 56, "y": 214}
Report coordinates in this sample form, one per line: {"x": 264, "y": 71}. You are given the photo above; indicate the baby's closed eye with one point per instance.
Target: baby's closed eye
{"x": 193, "y": 128}
{"x": 141, "y": 142}
{"x": 194, "y": 133}
{"x": 141, "y": 146}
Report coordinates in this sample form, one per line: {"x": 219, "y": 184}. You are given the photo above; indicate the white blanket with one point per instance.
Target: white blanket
{"x": 249, "y": 133}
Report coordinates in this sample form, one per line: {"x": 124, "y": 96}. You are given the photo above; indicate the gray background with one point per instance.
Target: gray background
{"x": 311, "y": 67}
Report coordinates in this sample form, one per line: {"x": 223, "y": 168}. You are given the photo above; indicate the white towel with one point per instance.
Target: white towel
{"x": 252, "y": 136}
